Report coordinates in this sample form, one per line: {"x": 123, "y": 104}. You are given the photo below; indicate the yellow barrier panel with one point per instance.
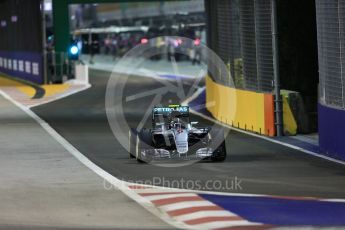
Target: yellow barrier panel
{"x": 239, "y": 108}
{"x": 290, "y": 125}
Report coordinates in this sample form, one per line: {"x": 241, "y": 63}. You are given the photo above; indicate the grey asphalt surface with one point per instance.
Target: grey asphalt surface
{"x": 259, "y": 166}
{"x": 42, "y": 186}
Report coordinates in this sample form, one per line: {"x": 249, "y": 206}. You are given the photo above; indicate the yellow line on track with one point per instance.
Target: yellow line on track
{"x": 26, "y": 89}
{"x": 50, "y": 90}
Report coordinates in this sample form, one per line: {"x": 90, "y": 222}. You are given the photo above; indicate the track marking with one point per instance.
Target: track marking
{"x": 187, "y": 204}
{"x": 223, "y": 224}
{"x": 159, "y": 193}
{"x": 166, "y": 196}
{"x": 203, "y": 220}
{"x": 190, "y": 210}
{"x": 121, "y": 185}
{"x": 61, "y": 96}
{"x": 174, "y": 200}
{"x": 186, "y": 211}
{"x": 201, "y": 214}
{"x": 140, "y": 188}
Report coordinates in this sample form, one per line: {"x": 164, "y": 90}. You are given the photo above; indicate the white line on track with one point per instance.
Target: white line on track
{"x": 167, "y": 196}
{"x": 200, "y": 214}
{"x": 121, "y": 185}
{"x": 223, "y": 224}
{"x": 186, "y": 204}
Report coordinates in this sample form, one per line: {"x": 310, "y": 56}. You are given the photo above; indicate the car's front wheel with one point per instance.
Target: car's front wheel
{"x": 143, "y": 142}
{"x": 217, "y": 136}
{"x": 131, "y": 143}
{"x": 219, "y": 154}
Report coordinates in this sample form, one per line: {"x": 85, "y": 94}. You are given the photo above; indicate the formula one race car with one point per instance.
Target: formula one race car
{"x": 173, "y": 136}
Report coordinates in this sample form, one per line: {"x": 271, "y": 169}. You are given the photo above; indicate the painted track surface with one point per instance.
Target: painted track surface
{"x": 214, "y": 211}
{"x": 277, "y": 211}
{"x": 263, "y": 167}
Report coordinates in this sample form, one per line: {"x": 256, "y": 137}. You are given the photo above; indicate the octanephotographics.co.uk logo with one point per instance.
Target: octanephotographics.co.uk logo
{"x": 229, "y": 185}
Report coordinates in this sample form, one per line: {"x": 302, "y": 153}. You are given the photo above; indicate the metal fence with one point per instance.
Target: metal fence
{"x": 248, "y": 41}
{"x": 244, "y": 41}
{"x": 331, "y": 47}
{"x": 59, "y": 67}
{"x": 264, "y": 51}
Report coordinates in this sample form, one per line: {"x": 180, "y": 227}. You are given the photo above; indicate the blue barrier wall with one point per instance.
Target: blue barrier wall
{"x": 332, "y": 132}
{"x": 24, "y": 65}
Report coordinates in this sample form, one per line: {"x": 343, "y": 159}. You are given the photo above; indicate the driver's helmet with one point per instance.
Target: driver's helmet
{"x": 175, "y": 115}
{"x": 175, "y": 120}
{"x": 178, "y": 126}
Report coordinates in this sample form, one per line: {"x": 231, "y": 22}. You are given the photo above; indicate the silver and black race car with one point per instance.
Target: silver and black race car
{"x": 173, "y": 136}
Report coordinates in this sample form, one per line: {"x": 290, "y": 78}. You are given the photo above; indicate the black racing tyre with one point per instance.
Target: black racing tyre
{"x": 132, "y": 143}
{"x": 143, "y": 141}
{"x": 219, "y": 154}
{"x": 218, "y": 140}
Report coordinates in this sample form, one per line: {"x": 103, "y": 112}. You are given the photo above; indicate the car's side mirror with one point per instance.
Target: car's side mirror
{"x": 194, "y": 123}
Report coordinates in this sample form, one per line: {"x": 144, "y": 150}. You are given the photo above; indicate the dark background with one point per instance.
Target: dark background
{"x": 298, "y": 57}
{"x": 25, "y": 35}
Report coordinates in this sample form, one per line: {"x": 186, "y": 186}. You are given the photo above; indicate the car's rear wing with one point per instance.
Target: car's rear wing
{"x": 165, "y": 111}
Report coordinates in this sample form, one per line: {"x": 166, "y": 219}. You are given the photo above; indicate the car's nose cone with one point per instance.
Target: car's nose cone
{"x": 181, "y": 140}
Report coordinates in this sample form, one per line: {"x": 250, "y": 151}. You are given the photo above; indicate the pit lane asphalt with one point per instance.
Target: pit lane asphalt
{"x": 261, "y": 166}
